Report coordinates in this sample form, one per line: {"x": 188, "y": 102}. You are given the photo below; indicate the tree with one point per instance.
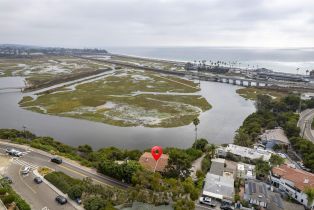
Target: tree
{"x": 179, "y": 164}
{"x": 200, "y": 144}
{"x": 276, "y": 160}
{"x": 263, "y": 102}
{"x": 94, "y": 203}
{"x": 212, "y": 150}
{"x": 184, "y": 204}
{"x": 262, "y": 168}
{"x": 310, "y": 195}
{"x": 196, "y": 121}
{"x": 75, "y": 191}
{"x": 243, "y": 139}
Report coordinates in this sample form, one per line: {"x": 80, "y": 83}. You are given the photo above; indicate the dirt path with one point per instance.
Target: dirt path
{"x": 197, "y": 165}
{"x": 177, "y": 82}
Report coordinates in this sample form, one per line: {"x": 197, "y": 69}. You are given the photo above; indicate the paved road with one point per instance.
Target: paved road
{"x": 305, "y": 121}
{"x": 40, "y": 158}
{"x": 41, "y": 197}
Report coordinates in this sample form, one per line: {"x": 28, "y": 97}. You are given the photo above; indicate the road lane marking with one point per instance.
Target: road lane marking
{"x": 25, "y": 182}
{"x": 83, "y": 175}
{"x": 24, "y": 163}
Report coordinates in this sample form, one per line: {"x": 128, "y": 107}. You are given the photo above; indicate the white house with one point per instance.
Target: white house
{"x": 293, "y": 181}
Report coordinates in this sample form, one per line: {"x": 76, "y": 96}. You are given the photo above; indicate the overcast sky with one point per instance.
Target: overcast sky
{"x": 104, "y": 23}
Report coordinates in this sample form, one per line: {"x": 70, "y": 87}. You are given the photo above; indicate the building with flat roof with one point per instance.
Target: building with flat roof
{"x": 293, "y": 181}
{"x": 259, "y": 194}
{"x": 219, "y": 181}
{"x": 149, "y": 163}
{"x": 250, "y": 153}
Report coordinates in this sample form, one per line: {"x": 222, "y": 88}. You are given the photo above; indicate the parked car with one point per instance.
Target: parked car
{"x": 61, "y": 200}
{"x": 57, "y": 160}
{"x": 25, "y": 170}
{"x": 208, "y": 201}
{"x": 78, "y": 201}
{"x": 38, "y": 180}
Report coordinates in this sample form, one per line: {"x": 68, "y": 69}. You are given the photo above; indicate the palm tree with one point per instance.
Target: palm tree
{"x": 310, "y": 195}
{"x": 196, "y": 121}
{"x": 212, "y": 150}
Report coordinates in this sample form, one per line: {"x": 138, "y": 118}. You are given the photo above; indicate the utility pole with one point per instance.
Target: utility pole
{"x": 24, "y": 130}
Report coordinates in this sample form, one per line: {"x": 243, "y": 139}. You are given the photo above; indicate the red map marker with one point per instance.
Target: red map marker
{"x": 156, "y": 152}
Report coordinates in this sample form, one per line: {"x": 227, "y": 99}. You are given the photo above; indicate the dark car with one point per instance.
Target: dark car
{"x": 8, "y": 179}
{"x": 61, "y": 200}
{"x": 226, "y": 207}
{"x": 38, "y": 180}
{"x": 57, "y": 160}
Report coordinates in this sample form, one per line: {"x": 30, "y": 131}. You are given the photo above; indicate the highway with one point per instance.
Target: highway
{"x": 41, "y": 196}
{"x": 305, "y": 121}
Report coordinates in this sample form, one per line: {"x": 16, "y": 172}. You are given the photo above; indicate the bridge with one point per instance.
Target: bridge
{"x": 241, "y": 81}
{"x": 12, "y": 88}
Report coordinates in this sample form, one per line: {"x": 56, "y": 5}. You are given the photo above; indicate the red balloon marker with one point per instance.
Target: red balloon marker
{"x": 156, "y": 152}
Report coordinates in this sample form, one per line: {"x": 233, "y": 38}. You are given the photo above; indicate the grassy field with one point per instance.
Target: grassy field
{"x": 44, "y": 68}
{"x": 126, "y": 98}
{"x": 252, "y": 92}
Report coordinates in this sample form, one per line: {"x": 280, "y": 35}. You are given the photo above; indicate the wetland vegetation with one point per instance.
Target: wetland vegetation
{"x": 126, "y": 97}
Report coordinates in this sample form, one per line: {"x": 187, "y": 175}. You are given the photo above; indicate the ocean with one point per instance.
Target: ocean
{"x": 283, "y": 60}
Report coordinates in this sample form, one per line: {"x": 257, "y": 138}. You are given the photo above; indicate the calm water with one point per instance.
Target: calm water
{"x": 284, "y": 60}
{"x": 217, "y": 125}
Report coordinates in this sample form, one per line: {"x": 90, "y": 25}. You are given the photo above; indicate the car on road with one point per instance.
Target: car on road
{"x": 207, "y": 201}
{"x": 38, "y": 180}
{"x": 8, "y": 179}
{"x": 25, "y": 170}
{"x": 57, "y": 160}
{"x": 14, "y": 152}
{"x": 61, "y": 200}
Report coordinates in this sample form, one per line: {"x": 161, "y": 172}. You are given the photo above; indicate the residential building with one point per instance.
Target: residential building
{"x": 149, "y": 163}
{"x": 219, "y": 181}
{"x": 259, "y": 194}
{"x": 246, "y": 171}
{"x": 273, "y": 137}
{"x": 294, "y": 182}
{"x": 250, "y": 153}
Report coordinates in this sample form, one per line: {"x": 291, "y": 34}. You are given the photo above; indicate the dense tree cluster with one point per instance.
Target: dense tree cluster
{"x": 272, "y": 113}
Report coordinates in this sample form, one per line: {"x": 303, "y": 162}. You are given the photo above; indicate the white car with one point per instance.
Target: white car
{"x": 208, "y": 201}
{"x": 25, "y": 170}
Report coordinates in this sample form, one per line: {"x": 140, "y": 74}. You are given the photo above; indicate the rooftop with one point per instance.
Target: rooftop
{"x": 300, "y": 178}
{"x": 218, "y": 186}
{"x": 149, "y": 163}
{"x": 248, "y": 152}
{"x": 277, "y": 134}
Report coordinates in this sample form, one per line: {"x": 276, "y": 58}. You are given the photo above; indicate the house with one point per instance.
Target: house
{"x": 273, "y": 137}
{"x": 257, "y": 193}
{"x": 219, "y": 181}
{"x": 149, "y": 163}
{"x": 294, "y": 182}
{"x": 246, "y": 171}
{"x": 245, "y": 152}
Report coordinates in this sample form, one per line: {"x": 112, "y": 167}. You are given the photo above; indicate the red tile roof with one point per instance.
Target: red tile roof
{"x": 300, "y": 178}
{"x": 149, "y": 163}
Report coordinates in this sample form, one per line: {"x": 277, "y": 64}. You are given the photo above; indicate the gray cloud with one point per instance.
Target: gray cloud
{"x": 101, "y": 23}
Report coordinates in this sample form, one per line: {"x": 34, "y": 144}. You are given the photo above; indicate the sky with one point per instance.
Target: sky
{"x": 126, "y": 23}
